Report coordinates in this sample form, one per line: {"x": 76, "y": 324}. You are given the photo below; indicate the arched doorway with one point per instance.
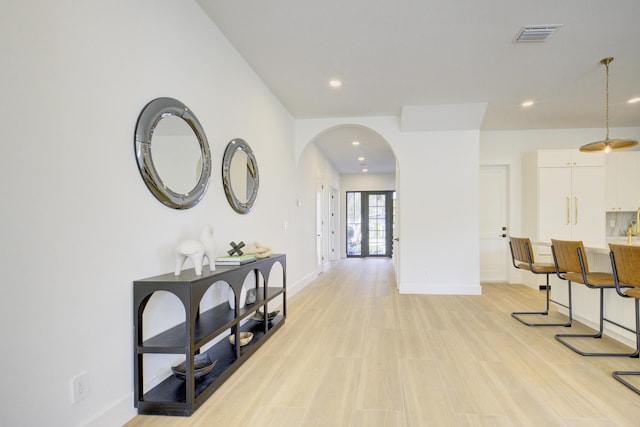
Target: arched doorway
{"x": 363, "y": 161}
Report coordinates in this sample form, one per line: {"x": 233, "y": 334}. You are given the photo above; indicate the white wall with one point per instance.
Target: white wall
{"x": 368, "y": 182}
{"x": 78, "y": 225}
{"x": 315, "y": 173}
{"x": 438, "y": 194}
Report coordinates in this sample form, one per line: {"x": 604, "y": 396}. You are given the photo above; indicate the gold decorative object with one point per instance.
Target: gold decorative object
{"x": 245, "y": 338}
{"x": 608, "y": 145}
{"x": 631, "y": 232}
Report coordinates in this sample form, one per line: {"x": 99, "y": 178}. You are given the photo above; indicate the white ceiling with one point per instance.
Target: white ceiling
{"x": 391, "y": 54}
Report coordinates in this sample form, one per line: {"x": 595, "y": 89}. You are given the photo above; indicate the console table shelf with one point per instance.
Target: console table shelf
{"x": 182, "y": 397}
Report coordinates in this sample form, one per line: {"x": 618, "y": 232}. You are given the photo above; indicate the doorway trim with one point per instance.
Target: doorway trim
{"x": 494, "y": 229}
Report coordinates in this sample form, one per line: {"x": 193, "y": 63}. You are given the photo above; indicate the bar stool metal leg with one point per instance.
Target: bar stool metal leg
{"x": 517, "y": 314}
{"x": 598, "y": 334}
{"x": 522, "y": 258}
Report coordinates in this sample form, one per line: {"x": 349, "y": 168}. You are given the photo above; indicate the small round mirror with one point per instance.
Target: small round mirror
{"x": 172, "y": 153}
{"x": 240, "y": 176}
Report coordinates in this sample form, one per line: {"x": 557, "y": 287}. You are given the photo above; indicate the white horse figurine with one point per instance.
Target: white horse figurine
{"x": 196, "y": 251}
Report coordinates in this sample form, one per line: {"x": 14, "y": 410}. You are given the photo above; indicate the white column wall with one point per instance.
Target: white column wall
{"x": 438, "y": 192}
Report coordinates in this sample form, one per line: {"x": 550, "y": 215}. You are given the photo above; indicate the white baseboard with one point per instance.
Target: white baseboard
{"x": 118, "y": 414}
{"x": 423, "y": 289}
{"x": 301, "y": 284}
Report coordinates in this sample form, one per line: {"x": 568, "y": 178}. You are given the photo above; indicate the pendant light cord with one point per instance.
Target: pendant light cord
{"x": 606, "y": 64}
{"x": 608, "y": 145}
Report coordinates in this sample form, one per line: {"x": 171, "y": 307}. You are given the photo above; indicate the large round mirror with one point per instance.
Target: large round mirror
{"x": 240, "y": 176}
{"x": 172, "y": 153}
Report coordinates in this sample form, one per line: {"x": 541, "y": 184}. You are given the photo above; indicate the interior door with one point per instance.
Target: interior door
{"x": 319, "y": 230}
{"x": 494, "y": 248}
{"x": 397, "y": 224}
{"x": 334, "y": 249}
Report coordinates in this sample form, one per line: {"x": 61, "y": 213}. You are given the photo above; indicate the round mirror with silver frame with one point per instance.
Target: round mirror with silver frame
{"x": 240, "y": 176}
{"x": 184, "y": 155}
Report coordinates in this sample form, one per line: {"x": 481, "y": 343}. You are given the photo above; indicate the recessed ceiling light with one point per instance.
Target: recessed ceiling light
{"x": 335, "y": 83}
{"x": 365, "y": 170}
{"x": 633, "y": 100}
{"x": 355, "y": 143}
{"x": 361, "y": 159}
{"x": 526, "y": 104}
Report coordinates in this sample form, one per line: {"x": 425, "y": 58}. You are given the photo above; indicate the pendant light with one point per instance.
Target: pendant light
{"x": 608, "y": 145}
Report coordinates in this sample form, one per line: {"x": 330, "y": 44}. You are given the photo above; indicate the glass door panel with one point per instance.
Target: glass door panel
{"x": 354, "y": 224}
{"x": 369, "y": 223}
{"x": 377, "y": 225}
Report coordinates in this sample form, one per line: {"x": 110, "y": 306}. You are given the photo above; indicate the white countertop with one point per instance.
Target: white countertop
{"x": 599, "y": 247}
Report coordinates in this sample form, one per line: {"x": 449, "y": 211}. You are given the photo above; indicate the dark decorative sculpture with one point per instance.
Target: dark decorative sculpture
{"x": 235, "y": 249}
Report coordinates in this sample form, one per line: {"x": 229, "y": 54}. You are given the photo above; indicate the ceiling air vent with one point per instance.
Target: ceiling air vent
{"x": 536, "y": 33}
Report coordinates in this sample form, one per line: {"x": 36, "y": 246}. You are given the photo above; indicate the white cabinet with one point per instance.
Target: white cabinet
{"x": 622, "y": 181}
{"x": 571, "y": 203}
{"x": 561, "y": 158}
{"x": 564, "y": 196}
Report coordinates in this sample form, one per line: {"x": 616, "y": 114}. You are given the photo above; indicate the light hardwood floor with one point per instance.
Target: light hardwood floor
{"x": 354, "y": 352}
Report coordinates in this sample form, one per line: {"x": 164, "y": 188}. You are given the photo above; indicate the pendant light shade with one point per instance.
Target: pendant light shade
{"x": 607, "y": 145}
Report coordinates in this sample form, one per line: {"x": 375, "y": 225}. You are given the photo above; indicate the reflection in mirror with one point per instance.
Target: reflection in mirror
{"x": 172, "y": 153}
{"x": 240, "y": 176}
{"x": 176, "y": 154}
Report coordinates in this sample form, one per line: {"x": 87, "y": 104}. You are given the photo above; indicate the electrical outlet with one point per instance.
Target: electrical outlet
{"x": 79, "y": 387}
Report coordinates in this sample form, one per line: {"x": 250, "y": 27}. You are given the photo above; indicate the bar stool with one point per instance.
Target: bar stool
{"x": 570, "y": 257}
{"x": 625, "y": 262}
{"x": 522, "y": 258}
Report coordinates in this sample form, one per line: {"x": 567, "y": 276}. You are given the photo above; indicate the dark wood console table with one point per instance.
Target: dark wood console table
{"x": 182, "y": 397}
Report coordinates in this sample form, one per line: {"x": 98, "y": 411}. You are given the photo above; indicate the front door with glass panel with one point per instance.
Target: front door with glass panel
{"x": 369, "y": 223}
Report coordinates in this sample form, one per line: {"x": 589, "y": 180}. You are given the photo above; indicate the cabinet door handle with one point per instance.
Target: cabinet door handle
{"x": 576, "y": 208}
{"x": 568, "y": 211}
